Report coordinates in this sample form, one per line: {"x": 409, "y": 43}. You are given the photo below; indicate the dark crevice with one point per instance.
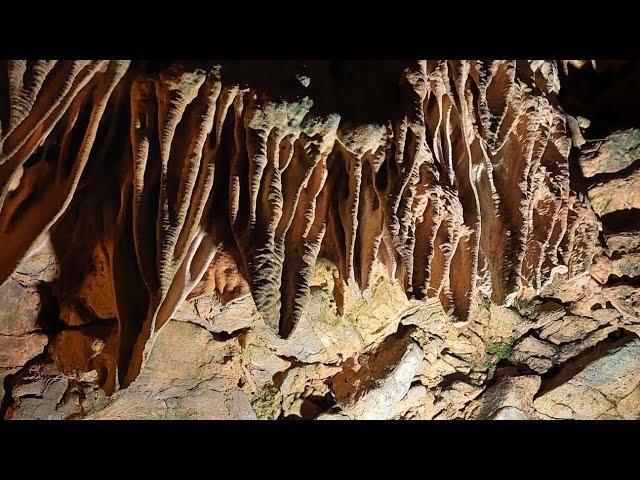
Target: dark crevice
{"x": 615, "y": 281}
{"x": 506, "y": 369}
{"x": 609, "y": 96}
{"x": 451, "y": 378}
{"x": 362, "y": 92}
{"x": 621, "y": 221}
{"x": 8, "y": 397}
{"x": 559, "y": 373}
{"x": 49, "y": 313}
{"x": 563, "y": 372}
{"x": 447, "y": 351}
{"x": 577, "y": 181}
{"x": 96, "y": 323}
{"x": 608, "y": 176}
{"x": 618, "y": 255}
{"x": 225, "y": 336}
{"x": 313, "y": 406}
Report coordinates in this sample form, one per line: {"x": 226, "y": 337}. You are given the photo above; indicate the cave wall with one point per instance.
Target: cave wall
{"x": 318, "y": 229}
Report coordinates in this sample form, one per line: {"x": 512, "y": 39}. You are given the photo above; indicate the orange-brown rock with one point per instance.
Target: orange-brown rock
{"x": 305, "y": 214}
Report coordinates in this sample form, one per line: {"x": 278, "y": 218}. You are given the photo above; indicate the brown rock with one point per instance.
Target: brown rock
{"x": 625, "y": 298}
{"x": 16, "y": 350}
{"x": 626, "y": 266}
{"x": 42, "y": 392}
{"x": 607, "y": 388}
{"x": 326, "y": 239}
{"x": 623, "y": 243}
{"x": 20, "y": 308}
{"x": 189, "y": 375}
{"x": 371, "y": 388}
{"x": 510, "y": 399}
{"x": 538, "y": 355}
{"x": 569, "y": 329}
{"x": 615, "y": 153}
{"x": 616, "y": 194}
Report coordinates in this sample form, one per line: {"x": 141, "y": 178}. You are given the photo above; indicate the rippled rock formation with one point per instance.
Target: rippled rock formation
{"x": 286, "y": 225}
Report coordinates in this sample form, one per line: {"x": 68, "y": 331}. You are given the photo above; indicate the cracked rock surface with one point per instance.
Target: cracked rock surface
{"x": 319, "y": 240}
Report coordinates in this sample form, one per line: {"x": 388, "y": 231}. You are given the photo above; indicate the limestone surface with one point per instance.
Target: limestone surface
{"x": 423, "y": 239}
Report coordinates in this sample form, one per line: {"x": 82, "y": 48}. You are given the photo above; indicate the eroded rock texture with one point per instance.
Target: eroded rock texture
{"x": 332, "y": 240}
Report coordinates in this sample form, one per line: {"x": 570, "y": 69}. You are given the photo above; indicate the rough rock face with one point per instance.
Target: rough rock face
{"x": 608, "y": 387}
{"x": 357, "y": 240}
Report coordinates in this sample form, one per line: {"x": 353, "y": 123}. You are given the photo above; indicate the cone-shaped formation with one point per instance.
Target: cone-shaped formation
{"x": 223, "y": 186}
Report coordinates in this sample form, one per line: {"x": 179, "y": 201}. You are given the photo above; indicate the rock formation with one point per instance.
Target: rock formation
{"x": 323, "y": 239}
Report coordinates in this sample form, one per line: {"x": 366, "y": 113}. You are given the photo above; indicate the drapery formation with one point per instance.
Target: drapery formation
{"x": 207, "y": 184}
